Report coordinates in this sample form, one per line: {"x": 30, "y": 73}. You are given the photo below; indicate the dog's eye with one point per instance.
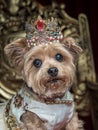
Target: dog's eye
{"x": 59, "y": 57}
{"x": 37, "y": 63}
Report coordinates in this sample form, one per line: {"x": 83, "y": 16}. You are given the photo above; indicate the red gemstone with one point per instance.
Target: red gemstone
{"x": 40, "y": 24}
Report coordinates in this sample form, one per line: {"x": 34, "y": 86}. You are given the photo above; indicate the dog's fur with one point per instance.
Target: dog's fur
{"x": 38, "y": 78}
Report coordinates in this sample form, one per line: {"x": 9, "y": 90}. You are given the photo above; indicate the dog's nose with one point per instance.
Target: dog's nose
{"x": 53, "y": 71}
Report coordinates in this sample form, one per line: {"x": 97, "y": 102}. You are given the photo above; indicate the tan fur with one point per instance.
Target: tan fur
{"x": 38, "y": 78}
{"x": 75, "y": 123}
{"x": 32, "y": 122}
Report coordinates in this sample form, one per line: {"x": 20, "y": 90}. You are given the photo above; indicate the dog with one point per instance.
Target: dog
{"x": 46, "y": 62}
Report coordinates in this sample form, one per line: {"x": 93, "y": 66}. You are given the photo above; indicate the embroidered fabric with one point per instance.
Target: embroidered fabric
{"x": 53, "y": 114}
{"x": 56, "y": 115}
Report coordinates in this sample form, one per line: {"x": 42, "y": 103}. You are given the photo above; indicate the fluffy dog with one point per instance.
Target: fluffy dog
{"x": 44, "y": 102}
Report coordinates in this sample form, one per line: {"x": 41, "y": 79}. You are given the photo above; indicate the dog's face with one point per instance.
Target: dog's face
{"x": 48, "y": 70}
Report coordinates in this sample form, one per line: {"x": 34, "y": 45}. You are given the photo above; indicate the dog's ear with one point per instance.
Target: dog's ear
{"x": 15, "y": 52}
{"x": 70, "y": 44}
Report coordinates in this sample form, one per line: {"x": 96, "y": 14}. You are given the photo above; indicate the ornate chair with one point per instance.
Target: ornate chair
{"x": 12, "y": 19}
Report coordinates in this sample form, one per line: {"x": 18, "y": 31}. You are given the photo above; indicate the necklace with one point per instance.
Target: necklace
{"x": 67, "y": 98}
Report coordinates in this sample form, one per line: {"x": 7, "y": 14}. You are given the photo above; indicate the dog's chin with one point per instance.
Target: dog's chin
{"x": 54, "y": 83}
{"x": 55, "y": 88}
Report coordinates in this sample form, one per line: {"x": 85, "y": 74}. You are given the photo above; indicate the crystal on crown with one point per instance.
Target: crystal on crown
{"x": 42, "y": 32}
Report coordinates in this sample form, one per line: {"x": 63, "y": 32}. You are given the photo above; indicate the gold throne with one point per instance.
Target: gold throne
{"x": 12, "y": 20}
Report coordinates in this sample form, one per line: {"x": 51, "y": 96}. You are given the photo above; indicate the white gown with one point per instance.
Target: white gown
{"x": 56, "y": 115}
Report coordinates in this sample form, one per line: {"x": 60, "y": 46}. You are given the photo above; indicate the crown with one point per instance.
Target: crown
{"x": 43, "y": 32}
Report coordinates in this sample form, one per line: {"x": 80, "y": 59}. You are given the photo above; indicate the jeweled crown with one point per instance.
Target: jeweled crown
{"x": 43, "y": 32}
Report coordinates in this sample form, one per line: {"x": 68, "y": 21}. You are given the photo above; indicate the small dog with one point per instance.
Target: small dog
{"x": 46, "y": 62}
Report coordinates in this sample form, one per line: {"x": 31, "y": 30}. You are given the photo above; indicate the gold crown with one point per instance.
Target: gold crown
{"x": 43, "y": 32}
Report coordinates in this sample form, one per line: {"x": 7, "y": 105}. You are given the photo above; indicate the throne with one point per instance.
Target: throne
{"x": 12, "y": 23}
